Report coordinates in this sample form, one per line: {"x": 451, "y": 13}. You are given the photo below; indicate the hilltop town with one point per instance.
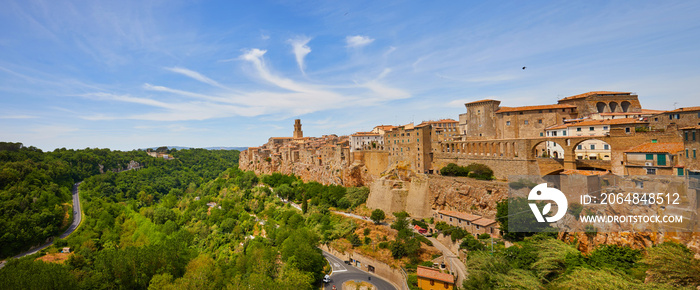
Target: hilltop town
{"x": 593, "y": 133}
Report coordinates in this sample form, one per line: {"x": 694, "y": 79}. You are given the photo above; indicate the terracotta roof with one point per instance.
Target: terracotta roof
{"x": 584, "y": 172}
{"x": 697, "y": 127}
{"x": 281, "y": 138}
{"x": 556, "y": 127}
{"x": 385, "y": 127}
{"x": 533, "y": 108}
{"x": 365, "y": 134}
{"x": 608, "y": 122}
{"x": 594, "y": 93}
{"x": 481, "y": 101}
{"x": 484, "y": 222}
{"x": 672, "y": 147}
{"x": 461, "y": 215}
{"x": 687, "y": 109}
{"x": 649, "y": 111}
{"x": 434, "y": 274}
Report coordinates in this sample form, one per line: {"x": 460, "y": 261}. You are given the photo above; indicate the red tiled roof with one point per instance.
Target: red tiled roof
{"x": 594, "y": 93}
{"x": 691, "y": 128}
{"x": 484, "y": 222}
{"x": 671, "y": 147}
{"x": 365, "y": 134}
{"x": 584, "y": 172}
{"x": 461, "y": 215}
{"x": 481, "y": 101}
{"x": 687, "y": 109}
{"x": 533, "y": 108}
{"x": 608, "y": 122}
{"x": 556, "y": 127}
{"x": 434, "y": 274}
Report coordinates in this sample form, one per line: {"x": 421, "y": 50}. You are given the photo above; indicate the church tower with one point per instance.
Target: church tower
{"x": 298, "y": 134}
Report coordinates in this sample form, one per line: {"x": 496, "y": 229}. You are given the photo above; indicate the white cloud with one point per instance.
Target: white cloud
{"x": 358, "y": 41}
{"x": 195, "y": 75}
{"x": 300, "y": 50}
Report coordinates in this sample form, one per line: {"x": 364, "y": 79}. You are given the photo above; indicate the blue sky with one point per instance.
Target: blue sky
{"x": 135, "y": 74}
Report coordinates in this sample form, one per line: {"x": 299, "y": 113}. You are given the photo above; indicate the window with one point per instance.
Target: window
{"x": 541, "y": 134}
{"x": 656, "y": 119}
{"x": 680, "y": 171}
{"x": 654, "y": 140}
{"x": 678, "y": 116}
{"x": 686, "y": 136}
{"x": 507, "y": 114}
{"x": 605, "y": 127}
{"x": 507, "y": 123}
{"x": 627, "y": 130}
{"x": 661, "y": 159}
{"x": 651, "y": 171}
{"x": 526, "y": 122}
{"x": 606, "y": 146}
{"x": 694, "y": 155}
{"x": 650, "y": 157}
{"x": 578, "y": 129}
{"x": 693, "y": 135}
{"x": 432, "y": 282}
{"x": 563, "y": 133}
{"x": 540, "y": 120}
{"x": 592, "y": 146}
{"x": 686, "y": 153}
{"x": 670, "y": 116}
{"x": 591, "y": 128}
{"x": 579, "y": 147}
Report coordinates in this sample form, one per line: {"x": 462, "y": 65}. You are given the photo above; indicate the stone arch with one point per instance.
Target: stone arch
{"x": 625, "y": 105}
{"x": 536, "y": 150}
{"x": 554, "y": 172}
{"x": 613, "y": 106}
{"x": 599, "y": 152}
{"x": 601, "y": 107}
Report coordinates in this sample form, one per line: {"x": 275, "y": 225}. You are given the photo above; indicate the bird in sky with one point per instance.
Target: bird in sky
{"x": 524, "y": 67}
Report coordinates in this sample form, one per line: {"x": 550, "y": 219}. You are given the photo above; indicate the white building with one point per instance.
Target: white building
{"x": 590, "y": 149}
{"x": 366, "y": 141}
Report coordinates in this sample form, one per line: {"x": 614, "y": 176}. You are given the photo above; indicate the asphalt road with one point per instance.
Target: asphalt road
{"x": 343, "y": 272}
{"x": 77, "y": 214}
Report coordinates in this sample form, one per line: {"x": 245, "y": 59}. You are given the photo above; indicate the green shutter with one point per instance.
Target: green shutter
{"x": 680, "y": 171}
{"x": 661, "y": 159}
{"x": 649, "y": 156}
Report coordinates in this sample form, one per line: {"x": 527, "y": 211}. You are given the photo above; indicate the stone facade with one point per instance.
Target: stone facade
{"x": 690, "y": 165}
{"x": 683, "y": 117}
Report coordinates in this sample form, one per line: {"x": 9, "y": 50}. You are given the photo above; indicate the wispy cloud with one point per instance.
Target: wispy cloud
{"x": 358, "y": 40}
{"x": 195, "y": 75}
{"x": 300, "y": 50}
{"x": 18, "y": 117}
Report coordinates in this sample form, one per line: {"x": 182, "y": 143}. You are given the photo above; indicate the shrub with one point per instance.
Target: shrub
{"x": 484, "y": 236}
{"x": 522, "y": 183}
{"x": 454, "y": 170}
{"x": 480, "y": 171}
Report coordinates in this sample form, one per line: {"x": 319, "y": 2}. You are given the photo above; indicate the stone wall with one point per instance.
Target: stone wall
{"x": 502, "y": 167}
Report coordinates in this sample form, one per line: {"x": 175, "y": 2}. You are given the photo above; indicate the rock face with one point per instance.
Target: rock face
{"x": 640, "y": 240}
{"x": 466, "y": 195}
{"x": 420, "y": 195}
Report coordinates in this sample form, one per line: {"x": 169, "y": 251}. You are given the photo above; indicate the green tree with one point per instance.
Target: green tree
{"x": 377, "y": 216}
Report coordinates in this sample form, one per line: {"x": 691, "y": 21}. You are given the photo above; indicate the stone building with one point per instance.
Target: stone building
{"x": 682, "y": 117}
{"x": 366, "y": 141}
{"x": 410, "y": 145}
{"x": 298, "y": 134}
{"x": 474, "y": 224}
{"x": 530, "y": 121}
{"x": 689, "y": 156}
{"x": 653, "y": 159}
{"x": 480, "y": 121}
{"x": 592, "y": 103}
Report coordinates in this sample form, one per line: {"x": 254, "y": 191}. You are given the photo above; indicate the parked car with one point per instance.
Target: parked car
{"x": 326, "y": 279}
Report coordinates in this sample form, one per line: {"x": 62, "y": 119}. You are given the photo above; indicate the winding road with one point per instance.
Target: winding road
{"x": 343, "y": 272}
{"x": 77, "y": 216}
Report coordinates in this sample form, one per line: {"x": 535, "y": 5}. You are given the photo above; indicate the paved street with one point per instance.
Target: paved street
{"x": 343, "y": 272}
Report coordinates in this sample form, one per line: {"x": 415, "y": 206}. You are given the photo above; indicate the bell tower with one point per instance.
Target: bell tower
{"x": 298, "y": 134}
